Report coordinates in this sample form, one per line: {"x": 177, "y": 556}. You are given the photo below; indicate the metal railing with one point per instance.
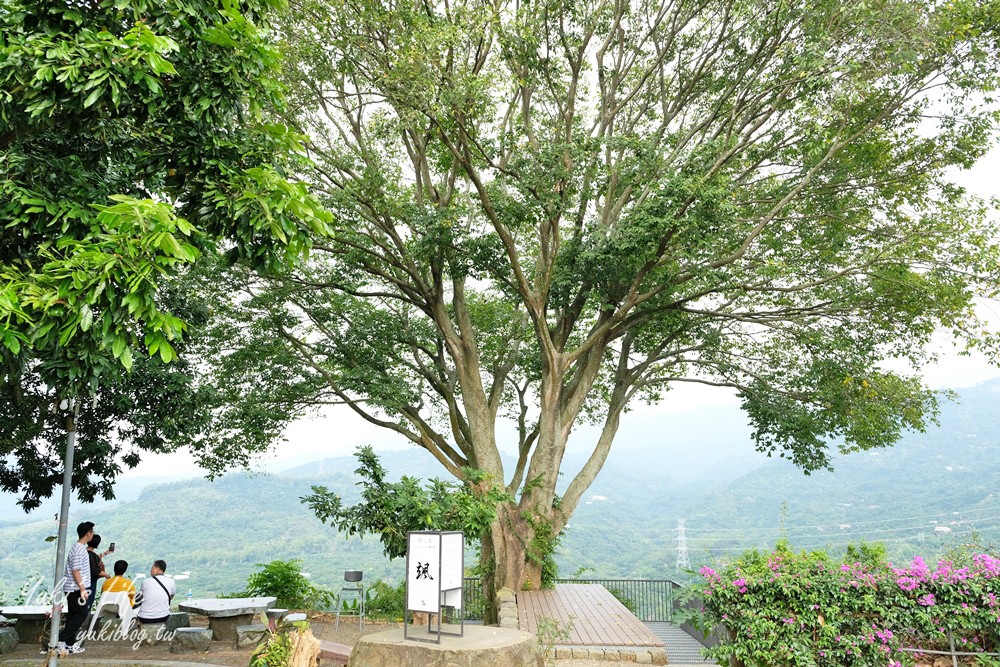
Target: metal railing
{"x": 951, "y": 653}
{"x": 648, "y": 599}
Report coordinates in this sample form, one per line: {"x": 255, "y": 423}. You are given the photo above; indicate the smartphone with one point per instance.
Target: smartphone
{"x": 112, "y": 547}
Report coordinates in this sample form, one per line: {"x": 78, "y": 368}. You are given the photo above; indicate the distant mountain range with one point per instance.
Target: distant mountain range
{"x": 921, "y": 497}
{"x": 126, "y": 489}
{"x": 929, "y": 492}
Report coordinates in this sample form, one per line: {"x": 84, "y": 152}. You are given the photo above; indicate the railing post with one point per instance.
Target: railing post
{"x": 670, "y": 602}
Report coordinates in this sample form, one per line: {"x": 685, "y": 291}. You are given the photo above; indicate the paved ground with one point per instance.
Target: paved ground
{"x": 682, "y": 649}
{"x": 220, "y": 653}
{"x": 323, "y": 627}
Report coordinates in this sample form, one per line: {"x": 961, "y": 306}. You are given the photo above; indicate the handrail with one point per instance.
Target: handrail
{"x": 648, "y": 599}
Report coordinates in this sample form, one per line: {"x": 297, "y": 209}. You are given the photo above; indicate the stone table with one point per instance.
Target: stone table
{"x": 225, "y": 614}
{"x": 31, "y": 620}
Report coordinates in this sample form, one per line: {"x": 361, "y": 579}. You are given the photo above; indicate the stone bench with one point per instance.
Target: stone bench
{"x": 151, "y": 634}
{"x": 31, "y": 630}
{"x": 177, "y": 620}
{"x": 295, "y": 618}
{"x": 8, "y": 640}
{"x": 191, "y": 640}
{"x": 248, "y": 636}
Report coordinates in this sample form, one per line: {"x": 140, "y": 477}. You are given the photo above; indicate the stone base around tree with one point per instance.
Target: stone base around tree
{"x": 507, "y": 608}
{"x": 481, "y": 645}
{"x": 640, "y": 655}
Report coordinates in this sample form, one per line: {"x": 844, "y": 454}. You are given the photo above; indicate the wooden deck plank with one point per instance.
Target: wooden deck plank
{"x": 596, "y": 620}
{"x": 597, "y": 617}
{"x": 613, "y": 618}
{"x": 538, "y": 605}
{"x": 626, "y": 626}
{"x": 629, "y": 625}
{"x": 617, "y": 617}
{"x": 556, "y": 609}
{"x": 525, "y": 614}
{"x": 598, "y": 632}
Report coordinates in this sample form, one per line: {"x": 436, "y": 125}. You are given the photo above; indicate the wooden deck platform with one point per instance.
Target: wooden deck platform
{"x": 598, "y": 618}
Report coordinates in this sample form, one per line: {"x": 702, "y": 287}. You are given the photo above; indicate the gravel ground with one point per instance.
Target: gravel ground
{"x": 323, "y": 626}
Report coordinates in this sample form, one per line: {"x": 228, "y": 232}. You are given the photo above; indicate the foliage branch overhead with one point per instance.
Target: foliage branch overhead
{"x": 546, "y": 211}
{"x": 392, "y": 509}
{"x": 132, "y": 142}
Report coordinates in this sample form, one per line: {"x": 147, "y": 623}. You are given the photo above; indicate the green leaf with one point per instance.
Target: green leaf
{"x": 126, "y": 359}
{"x": 12, "y": 343}
{"x": 167, "y": 352}
{"x": 95, "y": 94}
{"x": 86, "y": 317}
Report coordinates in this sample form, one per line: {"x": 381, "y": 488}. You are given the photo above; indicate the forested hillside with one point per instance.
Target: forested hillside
{"x": 929, "y": 492}
{"x": 215, "y": 530}
{"x": 906, "y": 497}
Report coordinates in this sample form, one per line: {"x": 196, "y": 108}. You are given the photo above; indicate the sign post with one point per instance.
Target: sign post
{"x": 435, "y": 576}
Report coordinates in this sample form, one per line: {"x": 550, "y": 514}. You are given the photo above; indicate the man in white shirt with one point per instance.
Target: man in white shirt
{"x": 76, "y": 587}
{"x": 156, "y": 593}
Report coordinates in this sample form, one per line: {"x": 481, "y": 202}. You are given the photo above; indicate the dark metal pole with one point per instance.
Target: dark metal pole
{"x": 57, "y": 593}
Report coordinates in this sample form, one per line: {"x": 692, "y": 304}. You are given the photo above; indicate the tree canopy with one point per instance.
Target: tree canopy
{"x": 132, "y": 141}
{"x": 545, "y": 211}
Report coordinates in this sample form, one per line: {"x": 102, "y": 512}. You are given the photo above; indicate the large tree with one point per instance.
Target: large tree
{"x": 131, "y": 143}
{"x": 547, "y": 210}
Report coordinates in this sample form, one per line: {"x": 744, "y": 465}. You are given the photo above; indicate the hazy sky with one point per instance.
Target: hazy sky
{"x": 341, "y": 432}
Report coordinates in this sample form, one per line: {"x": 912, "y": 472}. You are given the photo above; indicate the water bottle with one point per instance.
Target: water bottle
{"x": 190, "y": 595}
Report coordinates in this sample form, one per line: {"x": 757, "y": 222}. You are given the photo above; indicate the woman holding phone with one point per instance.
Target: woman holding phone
{"x": 96, "y": 566}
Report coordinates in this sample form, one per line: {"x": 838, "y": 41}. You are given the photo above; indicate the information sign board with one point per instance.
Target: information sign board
{"x": 452, "y": 552}
{"x": 423, "y": 572}
{"x": 435, "y": 576}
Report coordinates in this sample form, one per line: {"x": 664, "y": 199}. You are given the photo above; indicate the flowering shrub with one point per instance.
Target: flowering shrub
{"x": 791, "y": 609}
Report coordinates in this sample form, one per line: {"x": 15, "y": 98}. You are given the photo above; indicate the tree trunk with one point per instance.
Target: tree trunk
{"x": 505, "y": 559}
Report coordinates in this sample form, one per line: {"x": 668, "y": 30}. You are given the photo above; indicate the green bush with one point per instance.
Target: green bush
{"x": 788, "y": 609}
{"x": 385, "y": 601}
{"x": 276, "y": 648}
{"x": 284, "y": 580}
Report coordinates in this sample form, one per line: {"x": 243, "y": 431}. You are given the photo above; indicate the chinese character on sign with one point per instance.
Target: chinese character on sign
{"x": 423, "y": 571}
